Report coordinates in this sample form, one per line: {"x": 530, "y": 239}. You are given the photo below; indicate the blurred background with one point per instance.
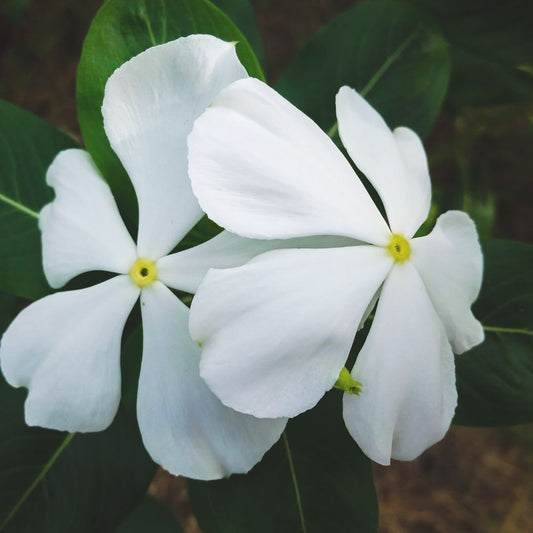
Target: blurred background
{"x": 477, "y": 479}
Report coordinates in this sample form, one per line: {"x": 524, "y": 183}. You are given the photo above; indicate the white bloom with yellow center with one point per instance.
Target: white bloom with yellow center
{"x": 65, "y": 348}
{"x": 277, "y": 331}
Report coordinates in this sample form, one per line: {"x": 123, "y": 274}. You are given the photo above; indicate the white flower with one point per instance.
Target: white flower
{"x": 65, "y": 348}
{"x": 277, "y": 331}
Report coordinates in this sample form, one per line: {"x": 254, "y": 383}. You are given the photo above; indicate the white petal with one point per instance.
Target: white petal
{"x": 394, "y": 162}
{"x": 82, "y": 229}
{"x": 149, "y": 107}
{"x": 260, "y": 168}
{"x": 450, "y": 262}
{"x": 65, "y": 349}
{"x": 184, "y": 426}
{"x": 276, "y": 332}
{"x": 407, "y": 371}
{"x": 185, "y": 270}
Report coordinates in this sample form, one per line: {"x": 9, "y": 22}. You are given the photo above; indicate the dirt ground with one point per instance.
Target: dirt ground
{"x": 476, "y": 480}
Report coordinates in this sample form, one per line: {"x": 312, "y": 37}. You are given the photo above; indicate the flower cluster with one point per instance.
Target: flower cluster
{"x": 306, "y": 258}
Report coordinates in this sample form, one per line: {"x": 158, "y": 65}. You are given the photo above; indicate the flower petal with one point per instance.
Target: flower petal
{"x": 260, "y": 168}
{"x": 184, "y": 426}
{"x": 407, "y": 371}
{"x": 65, "y": 349}
{"x": 394, "y": 162}
{"x": 185, "y": 270}
{"x": 82, "y": 229}
{"x": 276, "y": 332}
{"x": 450, "y": 262}
{"x": 149, "y": 107}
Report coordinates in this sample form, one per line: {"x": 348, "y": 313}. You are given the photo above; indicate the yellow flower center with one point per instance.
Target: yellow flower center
{"x": 399, "y": 247}
{"x": 143, "y": 272}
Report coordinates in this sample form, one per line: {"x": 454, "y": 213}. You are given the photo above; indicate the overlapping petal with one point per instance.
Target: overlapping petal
{"x": 184, "y": 426}
{"x": 149, "y": 107}
{"x": 450, "y": 263}
{"x": 65, "y": 348}
{"x": 394, "y": 162}
{"x": 276, "y": 332}
{"x": 260, "y": 168}
{"x": 82, "y": 229}
{"x": 185, "y": 270}
{"x": 407, "y": 370}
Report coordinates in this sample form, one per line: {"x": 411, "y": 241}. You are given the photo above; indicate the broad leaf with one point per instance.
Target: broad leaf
{"x": 52, "y": 481}
{"x": 27, "y": 147}
{"x": 492, "y": 49}
{"x": 150, "y": 516}
{"x": 242, "y": 15}
{"x": 495, "y": 379}
{"x": 314, "y": 479}
{"x": 121, "y": 30}
{"x": 382, "y": 48}
{"x": 9, "y": 307}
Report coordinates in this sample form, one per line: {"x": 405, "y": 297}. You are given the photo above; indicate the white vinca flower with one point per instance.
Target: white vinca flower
{"x": 65, "y": 348}
{"x": 277, "y": 331}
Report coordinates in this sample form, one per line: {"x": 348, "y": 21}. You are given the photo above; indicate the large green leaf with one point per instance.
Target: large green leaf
{"x": 242, "y": 15}
{"x": 27, "y": 146}
{"x": 495, "y": 379}
{"x": 121, "y": 30}
{"x": 315, "y": 479}
{"x": 59, "y": 483}
{"x": 382, "y": 48}
{"x": 9, "y": 307}
{"x": 150, "y": 516}
{"x": 492, "y": 49}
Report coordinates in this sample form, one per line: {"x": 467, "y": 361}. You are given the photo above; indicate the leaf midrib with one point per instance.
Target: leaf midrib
{"x": 38, "y": 478}
{"x": 511, "y": 331}
{"x": 17, "y": 205}
{"x": 374, "y": 79}
{"x": 380, "y": 72}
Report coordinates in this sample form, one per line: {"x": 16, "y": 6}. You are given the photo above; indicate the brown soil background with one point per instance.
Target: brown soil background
{"x": 476, "y": 480}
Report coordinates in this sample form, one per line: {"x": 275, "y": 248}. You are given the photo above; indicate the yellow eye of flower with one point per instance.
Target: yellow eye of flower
{"x": 399, "y": 248}
{"x": 143, "y": 272}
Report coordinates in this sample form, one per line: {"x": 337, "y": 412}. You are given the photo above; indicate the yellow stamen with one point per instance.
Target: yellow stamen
{"x": 143, "y": 272}
{"x": 399, "y": 247}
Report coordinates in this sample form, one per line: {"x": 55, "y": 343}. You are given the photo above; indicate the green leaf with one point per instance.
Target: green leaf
{"x": 242, "y": 15}
{"x": 314, "y": 479}
{"x": 9, "y": 307}
{"x": 492, "y": 49}
{"x": 383, "y": 49}
{"x": 121, "y": 30}
{"x": 150, "y": 516}
{"x": 27, "y": 147}
{"x": 52, "y": 482}
{"x": 495, "y": 379}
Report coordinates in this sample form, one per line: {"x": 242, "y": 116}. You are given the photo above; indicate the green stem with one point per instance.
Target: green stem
{"x": 144, "y": 14}
{"x": 38, "y": 479}
{"x": 294, "y": 481}
{"x": 379, "y": 73}
{"x": 19, "y": 206}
